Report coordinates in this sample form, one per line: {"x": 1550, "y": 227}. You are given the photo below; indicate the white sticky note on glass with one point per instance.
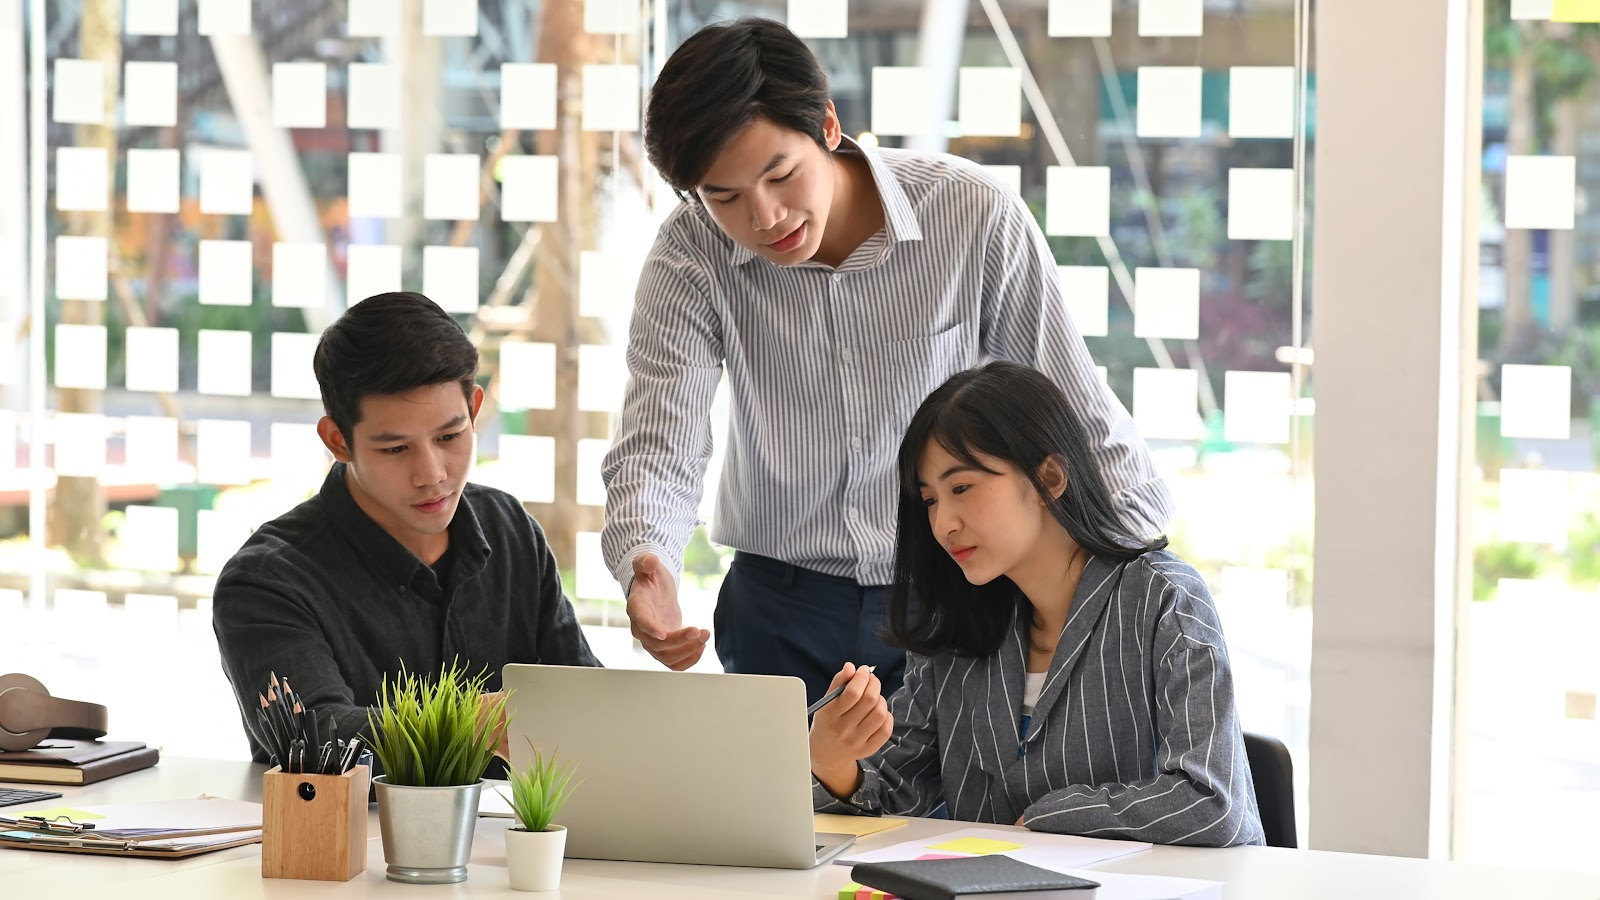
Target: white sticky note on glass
{"x": 1168, "y": 102}
{"x": 373, "y": 18}
{"x": 153, "y": 177}
{"x": 1256, "y": 406}
{"x": 819, "y": 18}
{"x": 1534, "y": 505}
{"x": 529, "y": 188}
{"x": 527, "y": 467}
{"x": 527, "y": 377}
{"x": 299, "y": 275}
{"x": 611, "y": 16}
{"x": 901, "y": 101}
{"x": 1086, "y": 290}
{"x": 1010, "y": 176}
{"x": 371, "y": 269}
{"x": 450, "y": 186}
{"x": 602, "y": 377}
{"x": 225, "y": 363}
{"x": 1165, "y": 403}
{"x": 1077, "y": 201}
{"x": 1541, "y": 192}
{"x": 449, "y": 18}
{"x": 150, "y": 446}
{"x": 78, "y": 92}
{"x": 990, "y": 101}
{"x": 1079, "y": 18}
{"x": 224, "y": 17}
{"x": 591, "y": 457}
{"x": 375, "y": 185}
{"x": 1532, "y": 10}
{"x": 82, "y": 179}
{"x": 298, "y": 456}
{"x": 450, "y": 278}
{"x": 150, "y": 94}
{"x": 80, "y": 444}
{"x": 152, "y": 17}
{"x": 150, "y": 359}
{"x": 1261, "y": 204}
{"x": 150, "y": 535}
{"x": 227, "y": 182}
{"x": 81, "y": 264}
{"x": 292, "y": 373}
{"x": 1171, "y": 18}
{"x": 606, "y": 282}
{"x": 1536, "y": 402}
{"x": 611, "y": 98}
{"x": 222, "y": 449}
{"x": 1261, "y": 101}
{"x": 1166, "y": 303}
{"x": 219, "y": 535}
{"x": 299, "y": 95}
{"x": 528, "y": 96}
{"x": 594, "y": 578}
{"x": 374, "y": 100}
{"x": 81, "y": 357}
{"x": 225, "y": 278}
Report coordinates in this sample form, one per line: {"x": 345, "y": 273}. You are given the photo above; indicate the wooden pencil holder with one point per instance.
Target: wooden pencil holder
{"x": 314, "y": 827}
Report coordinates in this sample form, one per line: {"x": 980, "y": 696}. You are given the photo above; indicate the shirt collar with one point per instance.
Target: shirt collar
{"x": 387, "y": 556}
{"x": 899, "y": 220}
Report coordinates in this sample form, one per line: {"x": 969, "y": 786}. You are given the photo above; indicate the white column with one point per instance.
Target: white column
{"x": 1394, "y": 328}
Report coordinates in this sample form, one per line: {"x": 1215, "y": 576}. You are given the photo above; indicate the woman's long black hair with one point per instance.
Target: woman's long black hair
{"x": 1014, "y": 414}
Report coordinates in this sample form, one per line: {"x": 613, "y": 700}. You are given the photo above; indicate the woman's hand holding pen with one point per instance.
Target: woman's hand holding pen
{"x": 849, "y": 728}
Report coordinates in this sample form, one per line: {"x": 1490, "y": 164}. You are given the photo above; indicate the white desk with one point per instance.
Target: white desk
{"x": 1249, "y": 873}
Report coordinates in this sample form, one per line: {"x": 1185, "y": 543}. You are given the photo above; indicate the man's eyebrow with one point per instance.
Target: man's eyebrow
{"x": 389, "y": 436}
{"x": 777, "y": 160}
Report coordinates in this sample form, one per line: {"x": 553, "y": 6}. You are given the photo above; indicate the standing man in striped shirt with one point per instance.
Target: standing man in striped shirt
{"x": 838, "y": 286}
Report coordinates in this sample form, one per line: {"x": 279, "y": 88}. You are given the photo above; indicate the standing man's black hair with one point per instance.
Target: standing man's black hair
{"x": 718, "y": 81}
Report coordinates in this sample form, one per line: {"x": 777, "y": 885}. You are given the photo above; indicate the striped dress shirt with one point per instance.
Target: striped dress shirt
{"x": 826, "y": 367}
{"x": 1134, "y": 736}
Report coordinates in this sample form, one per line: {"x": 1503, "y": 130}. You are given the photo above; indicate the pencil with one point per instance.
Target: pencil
{"x": 830, "y": 696}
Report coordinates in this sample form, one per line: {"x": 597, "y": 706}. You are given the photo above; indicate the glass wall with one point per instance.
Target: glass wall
{"x": 1532, "y": 678}
{"x": 221, "y": 177}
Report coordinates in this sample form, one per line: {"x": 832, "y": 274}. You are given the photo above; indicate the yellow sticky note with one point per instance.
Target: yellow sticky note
{"x": 54, "y": 812}
{"x": 975, "y": 846}
{"x": 1575, "y": 11}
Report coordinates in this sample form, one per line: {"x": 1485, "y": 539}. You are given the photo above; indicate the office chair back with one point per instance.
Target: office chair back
{"x": 1273, "y": 773}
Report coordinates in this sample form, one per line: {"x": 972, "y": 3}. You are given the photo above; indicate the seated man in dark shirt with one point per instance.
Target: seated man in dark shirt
{"x": 397, "y": 560}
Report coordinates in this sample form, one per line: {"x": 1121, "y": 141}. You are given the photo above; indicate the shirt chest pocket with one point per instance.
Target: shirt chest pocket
{"x": 909, "y": 370}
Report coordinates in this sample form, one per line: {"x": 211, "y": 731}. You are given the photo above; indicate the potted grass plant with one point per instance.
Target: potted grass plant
{"x": 433, "y": 740}
{"x": 534, "y": 849}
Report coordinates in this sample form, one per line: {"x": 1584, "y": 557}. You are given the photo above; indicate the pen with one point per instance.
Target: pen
{"x": 831, "y": 695}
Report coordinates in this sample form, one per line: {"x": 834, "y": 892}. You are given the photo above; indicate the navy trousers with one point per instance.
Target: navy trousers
{"x": 774, "y": 618}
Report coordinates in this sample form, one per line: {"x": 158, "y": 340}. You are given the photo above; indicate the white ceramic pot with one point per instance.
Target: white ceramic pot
{"x": 534, "y": 858}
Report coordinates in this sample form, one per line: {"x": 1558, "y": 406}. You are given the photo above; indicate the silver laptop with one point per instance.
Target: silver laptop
{"x": 678, "y": 767}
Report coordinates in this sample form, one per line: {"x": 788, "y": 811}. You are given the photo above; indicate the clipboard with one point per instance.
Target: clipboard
{"x": 68, "y": 843}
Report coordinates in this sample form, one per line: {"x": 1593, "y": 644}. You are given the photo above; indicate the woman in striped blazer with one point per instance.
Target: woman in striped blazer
{"x": 1062, "y": 673}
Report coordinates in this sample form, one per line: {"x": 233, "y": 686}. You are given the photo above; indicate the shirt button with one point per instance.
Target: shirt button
{"x": 855, "y": 513}
{"x": 837, "y": 278}
{"x": 855, "y": 443}
{"x": 402, "y": 589}
{"x": 846, "y": 355}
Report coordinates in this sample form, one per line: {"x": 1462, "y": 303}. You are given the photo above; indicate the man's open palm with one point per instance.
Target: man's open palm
{"x": 657, "y": 619}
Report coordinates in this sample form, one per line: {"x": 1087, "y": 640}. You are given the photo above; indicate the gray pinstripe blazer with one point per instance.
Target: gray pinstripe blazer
{"x": 1134, "y": 736}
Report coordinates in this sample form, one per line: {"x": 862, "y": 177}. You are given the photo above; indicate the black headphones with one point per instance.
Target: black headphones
{"x": 28, "y": 714}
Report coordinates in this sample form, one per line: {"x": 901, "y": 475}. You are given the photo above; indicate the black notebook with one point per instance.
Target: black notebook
{"x": 968, "y": 878}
